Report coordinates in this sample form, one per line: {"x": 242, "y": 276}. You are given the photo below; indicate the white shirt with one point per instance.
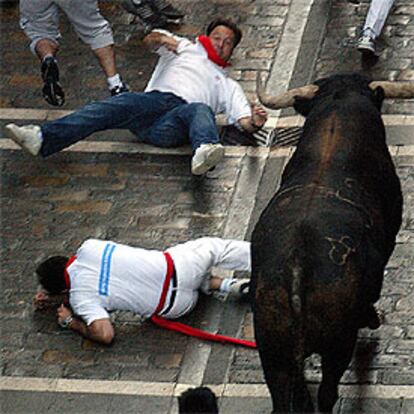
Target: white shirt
{"x": 191, "y": 75}
{"x": 110, "y": 276}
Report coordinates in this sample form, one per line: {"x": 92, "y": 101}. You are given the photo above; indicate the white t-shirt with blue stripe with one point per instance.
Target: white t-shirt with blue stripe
{"x": 110, "y": 276}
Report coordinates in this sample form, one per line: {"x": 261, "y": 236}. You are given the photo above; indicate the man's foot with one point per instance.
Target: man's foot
{"x": 167, "y": 10}
{"x": 28, "y": 137}
{"x": 144, "y": 11}
{"x": 121, "y": 88}
{"x": 206, "y": 157}
{"x": 52, "y": 90}
{"x": 366, "y": 44}
{"x": 239, "y": 289}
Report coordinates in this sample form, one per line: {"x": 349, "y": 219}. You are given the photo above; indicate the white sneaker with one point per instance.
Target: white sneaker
{"x": 239, "y": 289}
{"x": 206, "y": 157}
{"x": 366, "y": 43}
{"x": 28, "y": 137}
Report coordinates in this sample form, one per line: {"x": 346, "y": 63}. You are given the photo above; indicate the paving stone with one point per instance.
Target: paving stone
{"x": 399, "y": 377}
{"x": 370, "y": 405}
{"x": 16, "y": 402}
{"x": 245, "y": 405}
{"x": 407, "y": 406}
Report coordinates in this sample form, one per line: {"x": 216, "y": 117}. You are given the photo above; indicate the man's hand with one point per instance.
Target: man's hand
{"x": 41, "y": 301}
{"x": 256, "y": 121}
{"x": 62, "y": 313}
{"x": 259, "y": 116}
{"x": 44, "y": 300}
{"x": 170, "y": 43}
{"x": 155, "y": 40}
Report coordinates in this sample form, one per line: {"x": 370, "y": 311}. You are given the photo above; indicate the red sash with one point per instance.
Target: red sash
{"x": 185, "y": 329}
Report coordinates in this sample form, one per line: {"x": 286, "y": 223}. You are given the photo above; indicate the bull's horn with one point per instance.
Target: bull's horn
{"x": 286, "y": 99}
{"x": 395, "y": 90}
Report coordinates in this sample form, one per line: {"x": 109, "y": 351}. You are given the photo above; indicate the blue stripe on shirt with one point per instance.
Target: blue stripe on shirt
{"x": 105, "y": 269}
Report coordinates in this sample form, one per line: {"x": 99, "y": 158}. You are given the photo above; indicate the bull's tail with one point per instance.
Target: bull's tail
{"x": 300, "y": 398}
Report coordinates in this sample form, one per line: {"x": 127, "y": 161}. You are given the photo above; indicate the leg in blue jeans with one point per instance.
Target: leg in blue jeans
{"x": 132, "y": 111}
{"x": 192, "y": 123}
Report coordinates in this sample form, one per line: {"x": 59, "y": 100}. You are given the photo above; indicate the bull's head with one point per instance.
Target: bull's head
{"x": 335, "y": 84}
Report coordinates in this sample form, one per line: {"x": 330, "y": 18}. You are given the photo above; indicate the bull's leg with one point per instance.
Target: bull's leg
{"x": 286, "y": 385}
{"x": 334, "y": 364}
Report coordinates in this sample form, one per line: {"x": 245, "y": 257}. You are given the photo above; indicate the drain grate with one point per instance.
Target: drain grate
{"x": 284, "y": 137}
{"x": 277, "y": 137}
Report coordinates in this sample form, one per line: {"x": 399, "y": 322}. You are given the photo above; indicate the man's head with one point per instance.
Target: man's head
{"x": 50, "y": 274}
{"x": 197, "y": 400}
{"x": 225, "y": 36}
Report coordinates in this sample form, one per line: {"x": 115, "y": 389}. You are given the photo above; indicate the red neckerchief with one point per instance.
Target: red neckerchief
{"x": 211, "y": 52}
{"x": 65, "y": 272}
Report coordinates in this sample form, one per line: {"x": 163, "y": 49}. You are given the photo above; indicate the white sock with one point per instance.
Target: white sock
{"x": 114, "y": 81}
{"x": 225, "y": 284}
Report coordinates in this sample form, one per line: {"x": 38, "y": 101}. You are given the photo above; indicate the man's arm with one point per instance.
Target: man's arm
{"x": 155, "y": 40}
{"x": 256, "y": 121}
{"x": 100, "y": 330}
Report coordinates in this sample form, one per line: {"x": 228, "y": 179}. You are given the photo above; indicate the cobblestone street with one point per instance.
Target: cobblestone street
{"x": 110, "y": 187}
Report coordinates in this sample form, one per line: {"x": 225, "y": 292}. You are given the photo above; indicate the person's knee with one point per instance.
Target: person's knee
{"x": 201, "y": 108}
{"x": 41, "y": 46}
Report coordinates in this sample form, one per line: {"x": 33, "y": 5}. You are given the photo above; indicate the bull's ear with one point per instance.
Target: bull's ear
{"x": 302, "y": 105}
{"x": 379, "y": 96}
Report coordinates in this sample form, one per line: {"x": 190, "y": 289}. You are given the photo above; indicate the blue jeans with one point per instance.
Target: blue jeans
{"x": 157, "y": 118}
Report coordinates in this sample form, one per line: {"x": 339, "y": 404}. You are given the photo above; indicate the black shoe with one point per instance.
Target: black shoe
{"x": 167, "y": 10}
{"x": 52, "y": 90}
{"x": 121, "y": 88}
{"x": 144, "y": 11}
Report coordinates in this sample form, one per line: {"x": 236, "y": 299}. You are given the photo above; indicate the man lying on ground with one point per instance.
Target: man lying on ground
{"x": 105, "y": 276}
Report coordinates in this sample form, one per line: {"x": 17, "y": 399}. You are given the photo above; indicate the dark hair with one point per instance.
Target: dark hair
{"x": 228, "y": 23}
{"x": 50, "y": 274}
{"x": 197, "y": 400}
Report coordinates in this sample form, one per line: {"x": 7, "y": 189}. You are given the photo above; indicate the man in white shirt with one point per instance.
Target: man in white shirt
{"x": 188, "y": 87}
{"x": 105, "y": 276}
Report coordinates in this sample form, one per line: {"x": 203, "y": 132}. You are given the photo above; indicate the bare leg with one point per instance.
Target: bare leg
{"x": 45, "y": 47}
{"x": 106, "y": 58}
{"x": 52, "y": 91}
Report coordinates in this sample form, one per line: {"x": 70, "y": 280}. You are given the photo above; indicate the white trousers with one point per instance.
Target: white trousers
{"x": 193, "y": 261}
{"x": 377, "y": 15}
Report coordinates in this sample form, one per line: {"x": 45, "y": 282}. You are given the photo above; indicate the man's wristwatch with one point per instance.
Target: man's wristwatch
{"x": 66, "y": 322}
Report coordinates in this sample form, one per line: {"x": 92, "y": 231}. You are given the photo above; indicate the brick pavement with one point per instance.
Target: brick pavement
{"x": 83, "y": 80}
{"x": 50, "y": 207}
{"x": 149, "y": 199}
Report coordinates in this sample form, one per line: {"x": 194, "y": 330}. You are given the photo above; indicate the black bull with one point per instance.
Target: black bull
{"x": 320, "y": 247}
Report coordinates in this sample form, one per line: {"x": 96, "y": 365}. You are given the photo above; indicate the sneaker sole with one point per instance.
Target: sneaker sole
{"x": 366, "y": 49}
{"x": 212, "y": 160}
